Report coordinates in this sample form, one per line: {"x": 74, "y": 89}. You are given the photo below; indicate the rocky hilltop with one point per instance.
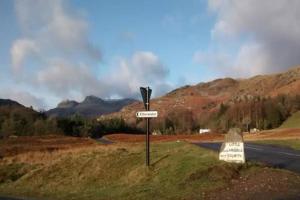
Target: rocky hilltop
{"x": 205, "y": 98}
{"x": 91, "y": 106}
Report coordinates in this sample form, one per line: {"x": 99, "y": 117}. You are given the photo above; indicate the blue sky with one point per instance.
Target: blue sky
{"x": 53, "y": 50}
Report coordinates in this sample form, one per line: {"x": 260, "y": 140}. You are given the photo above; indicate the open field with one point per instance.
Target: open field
{"x": 274, "y": 134}
{"x": 18, "y": 145}
{"x": 164, "y": 138}
{"x": 279, "y": 137}
{"x": 90, "y": 170}
{"x": 294, "y": 143}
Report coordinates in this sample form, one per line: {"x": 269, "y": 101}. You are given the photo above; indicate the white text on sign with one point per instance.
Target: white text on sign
{"x": 146, "y": 114}
{"x": 233, "y": 152}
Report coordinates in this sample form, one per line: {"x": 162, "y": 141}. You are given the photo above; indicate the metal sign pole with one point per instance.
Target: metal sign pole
{"x": 147, "y": 127}
{"x": 146, "y": 93}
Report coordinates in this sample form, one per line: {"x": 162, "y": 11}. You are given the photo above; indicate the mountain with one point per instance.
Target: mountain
{"x": 16, "y": 119}
{"x": 67, "y": 104}
{"x": 91, "y": 106}
{"x": 203, "y": 99}
{"x": 8, "y": 102}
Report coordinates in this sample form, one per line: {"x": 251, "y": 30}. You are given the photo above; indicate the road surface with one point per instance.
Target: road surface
{"x": 275, "y": 156}
{"x": 104, "y": 140}
{"x": 9, "y": 198}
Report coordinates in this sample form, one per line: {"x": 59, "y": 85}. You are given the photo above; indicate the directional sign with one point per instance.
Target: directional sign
{"x": 146, "y": 114}
{"x": 146, "y": 94}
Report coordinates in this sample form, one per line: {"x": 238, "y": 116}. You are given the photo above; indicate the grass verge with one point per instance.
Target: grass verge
{"x": 178, "y": 171}
{"x": 294, "y": 144}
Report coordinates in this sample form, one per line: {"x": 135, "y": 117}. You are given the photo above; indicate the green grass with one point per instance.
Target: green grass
{"x": 178, "y": 171}
{"x": 292, "y": 122}
{"x": 12, "y": 172}
{"x": 294, "y": 144}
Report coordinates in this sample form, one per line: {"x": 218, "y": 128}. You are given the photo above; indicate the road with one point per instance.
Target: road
{"x": 9, "y": 198}
{"x": 275, "y": 156}
{"x": 104, "y": 140}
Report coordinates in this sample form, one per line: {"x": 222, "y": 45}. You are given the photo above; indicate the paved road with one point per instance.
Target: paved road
{"x": 9, "y": 198}
{"x": 104, "y": 140}
{"x": 275, "y": 156}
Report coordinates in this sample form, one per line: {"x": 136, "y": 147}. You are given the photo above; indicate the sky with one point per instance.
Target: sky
{"x": 53, "y": 50}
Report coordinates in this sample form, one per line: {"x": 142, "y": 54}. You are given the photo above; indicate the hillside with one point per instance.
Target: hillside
{"x": 8, "y": 102}
{"x": 292, "y": 122}
{"x": 16, "y": 119}
{"x": 90, "y": 107}
{"x": 203, "y": 99}
{"x": 10, "y": 108}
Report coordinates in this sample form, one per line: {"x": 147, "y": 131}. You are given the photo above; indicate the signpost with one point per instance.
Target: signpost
{"x": 146, "y": 94}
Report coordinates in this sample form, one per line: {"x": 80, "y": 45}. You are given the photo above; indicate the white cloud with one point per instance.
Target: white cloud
{"x": 142, "y": 69}
{"x": 54, "y": 56}
{"x": 54, "y": 29}
{"x": 268, "y": 32}
{"x": 20, "y": 50}
{"x": 53, "y": 52}
{"x": 220, "y": 62}
{"x": 67, "y": 80}
{"x": 252, "y": 59}
{"x": 23, "y": 97}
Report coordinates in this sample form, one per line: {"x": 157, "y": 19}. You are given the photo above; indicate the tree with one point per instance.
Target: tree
{"x": 7, "y": 129}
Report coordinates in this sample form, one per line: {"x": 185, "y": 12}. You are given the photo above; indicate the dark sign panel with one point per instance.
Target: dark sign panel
{"x": 144, "y": 95}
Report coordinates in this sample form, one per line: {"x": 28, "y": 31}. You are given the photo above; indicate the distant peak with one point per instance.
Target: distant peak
{"x": 92, "y": 99}
{"x": 67, "y": 104}
{"x": 9, "y": 102}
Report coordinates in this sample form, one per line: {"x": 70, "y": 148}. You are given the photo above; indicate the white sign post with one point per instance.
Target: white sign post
{"x": 232, "y": 150}
{"x": 146, "y": 114}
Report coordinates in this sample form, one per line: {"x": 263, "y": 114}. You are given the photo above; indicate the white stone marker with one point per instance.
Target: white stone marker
{"x": 232, "y": 150}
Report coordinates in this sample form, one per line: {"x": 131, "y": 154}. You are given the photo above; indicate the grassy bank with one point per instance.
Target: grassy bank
{"x": 292, "y": 122}
{"x": 118, "y": 172}
{"x": 178, "y": 171}
{"x": 114, "y": 172}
